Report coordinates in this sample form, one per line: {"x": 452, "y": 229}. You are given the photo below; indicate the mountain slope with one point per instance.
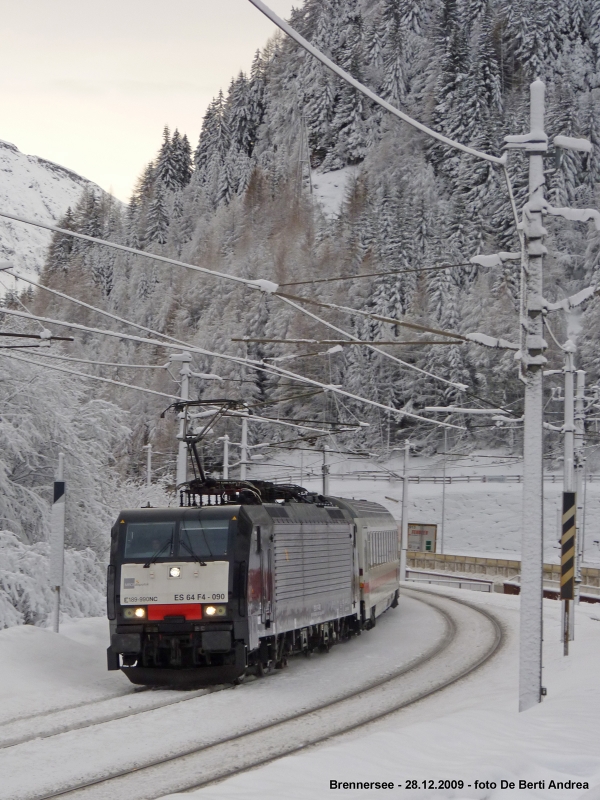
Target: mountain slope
{"x": 38, "y": 189}
{"x": 410, "y": 208}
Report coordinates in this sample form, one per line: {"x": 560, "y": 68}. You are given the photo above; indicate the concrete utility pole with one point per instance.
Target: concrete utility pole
{"x": 568, "y": 608}
{"x": 579, "y": 475}
{"x": 404, "y": 536}
{"x": 244, "y": 449}
{"x": 57, "y": 539}
{"x": 535, "y": 144}
{"x": 444, "y": 491}
{"x": 225, "y": 457}
{"x": 325, "y": 470}
{"x": 148, "y": 449}
{"x": 183, "y": 359}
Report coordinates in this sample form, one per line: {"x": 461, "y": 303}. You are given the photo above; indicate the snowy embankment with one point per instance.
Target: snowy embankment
{"x": 470, "y": 731}
{"x": 37, "y": 189}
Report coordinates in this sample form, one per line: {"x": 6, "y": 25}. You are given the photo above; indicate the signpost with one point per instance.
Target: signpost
{"x": 422, "y": 538}
{"x": 57, "y": 539}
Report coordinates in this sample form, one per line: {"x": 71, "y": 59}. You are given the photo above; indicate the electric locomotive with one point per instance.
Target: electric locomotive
{"x": 244, "y": 575}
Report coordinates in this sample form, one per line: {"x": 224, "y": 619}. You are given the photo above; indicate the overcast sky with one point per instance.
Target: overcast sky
{"x": 90, "y": 85}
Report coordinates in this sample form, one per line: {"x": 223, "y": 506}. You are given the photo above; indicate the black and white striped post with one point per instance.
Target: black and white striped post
{"x": 567, "y": 563}
{"x": 57, "y": 539}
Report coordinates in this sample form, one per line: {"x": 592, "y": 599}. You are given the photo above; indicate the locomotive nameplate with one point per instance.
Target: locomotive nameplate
{"x": 194, "y": 583}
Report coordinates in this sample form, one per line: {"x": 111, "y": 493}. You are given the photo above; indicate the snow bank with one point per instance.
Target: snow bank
{"x": 41, "y": 670}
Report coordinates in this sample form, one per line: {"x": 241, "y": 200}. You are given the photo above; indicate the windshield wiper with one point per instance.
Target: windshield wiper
{"x": 156, "y": 555}
{"x": 190, "y": 549}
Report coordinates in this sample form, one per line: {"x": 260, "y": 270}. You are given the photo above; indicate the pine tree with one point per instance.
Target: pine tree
{"x": 158, "y": 218}
{"x": 592, "y": 29}
{"x": 256, "y": 100}
{"x": 212, "y": 151}
{"x": 393, "y": 86}
{"x": 181, "y": 156}
{"x": 533, "y": 34}
{"x": 412, "y": 16}
{"x": 239, "y": 107}
{"x": 167, "y": 166}
{"x": 348, "y": 124}
{"x": 61, "y": 246}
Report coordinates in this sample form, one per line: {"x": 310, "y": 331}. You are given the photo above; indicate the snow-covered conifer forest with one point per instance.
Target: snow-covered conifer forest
{"x": 242, "y": 199}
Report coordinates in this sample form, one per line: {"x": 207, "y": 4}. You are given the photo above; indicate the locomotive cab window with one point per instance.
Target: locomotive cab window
{"x": 206, "y": 538}
{"x": 149, "y": 539}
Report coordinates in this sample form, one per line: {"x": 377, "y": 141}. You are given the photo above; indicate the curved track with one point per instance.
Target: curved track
{"x": 87, "y": 715}
{"x": 469, "y": 637}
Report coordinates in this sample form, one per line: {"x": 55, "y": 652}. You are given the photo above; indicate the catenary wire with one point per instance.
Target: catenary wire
{"x": 375, "y": 274}
{"x": 90, "y": 377}
{"x": 260, "y": 366}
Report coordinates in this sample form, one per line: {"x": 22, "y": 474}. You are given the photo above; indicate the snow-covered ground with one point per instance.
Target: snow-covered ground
{"x": 470, "y": 731}
{"x": 37, "y": 189}
{"x": 330, "y": 188}
{"x": 41, "y": 671}
{"x": 482, "y": 519}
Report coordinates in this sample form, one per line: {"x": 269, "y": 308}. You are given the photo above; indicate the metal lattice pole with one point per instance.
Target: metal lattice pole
{"x": 579, "y": 475}
{"x": 444, "y": 492}
{"x": 325, "y": 470}
{"x": 148, "y": 449}
{"x": 225, "y": 457}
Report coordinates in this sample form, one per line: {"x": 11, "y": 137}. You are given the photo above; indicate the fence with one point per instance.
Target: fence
{"x": 438, "y": 578}
{"x": 392, "y": 478}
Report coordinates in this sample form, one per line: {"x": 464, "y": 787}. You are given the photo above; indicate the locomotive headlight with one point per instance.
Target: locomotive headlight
{"x": 215, "y": 611}
{"x": 140, "y": 613}
{"x": 174, "y": 572}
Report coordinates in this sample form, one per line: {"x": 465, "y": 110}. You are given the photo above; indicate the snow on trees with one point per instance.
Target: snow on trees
{"x": 237, "y": 205}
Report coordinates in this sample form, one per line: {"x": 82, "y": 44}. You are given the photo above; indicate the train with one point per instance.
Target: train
{"x": 242, "y": 576}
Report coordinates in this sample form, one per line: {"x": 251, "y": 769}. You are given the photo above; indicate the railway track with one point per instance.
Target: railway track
{"x": 469, "y": 637}
{"x": 95, "y": 712}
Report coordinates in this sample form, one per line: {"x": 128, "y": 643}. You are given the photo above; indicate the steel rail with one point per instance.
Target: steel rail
{"x": 417, "y": 663}
{"x": 49, "y": 731}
